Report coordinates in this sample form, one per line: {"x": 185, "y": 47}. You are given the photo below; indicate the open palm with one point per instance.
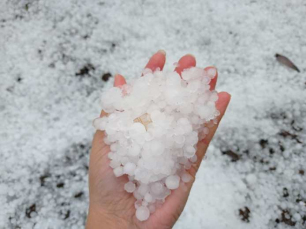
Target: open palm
{"x": 110, "y": 205}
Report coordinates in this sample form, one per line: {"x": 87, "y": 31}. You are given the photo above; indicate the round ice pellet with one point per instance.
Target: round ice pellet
{"x": 186, "y": 177}
{"x": 118, "y": 171}
{"x": 110, "y": 155}
{"x": 190, "y": 151}
{"x": 114, "y": 164}
{"x": 148, "y": 197}
{"x": 157, "y": 188}
{"x": 193, "y": 159}
{"x": 129, "y": 168}
{"x": 173, "y": 181}
{"x": 142, "y": 213}
{"x": 145, "y": 203}
{"x": 137, "y": 195}
{"x": 134, "y": 150}
{"x": 143, "y": 189}
{"x": 130, "y": 187}
{"x": 157, "y": 147}
{"x": 137, "y": 203}
{"x": 212, "y": 72}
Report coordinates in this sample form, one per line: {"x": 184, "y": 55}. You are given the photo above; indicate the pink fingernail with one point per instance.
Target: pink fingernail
{"x": 162, "y": 52}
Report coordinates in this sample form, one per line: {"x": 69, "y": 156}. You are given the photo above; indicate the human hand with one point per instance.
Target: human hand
{"x": 110, "y": 205}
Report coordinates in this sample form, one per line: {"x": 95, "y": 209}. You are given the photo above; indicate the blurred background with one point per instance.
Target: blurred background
{"x": 56, "y": 56}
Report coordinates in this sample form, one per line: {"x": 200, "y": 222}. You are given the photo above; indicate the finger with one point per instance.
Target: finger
{"x": 221, "y": 105}
{"x": 157, "y": 61}
{"x": 211, "y": 70}
{"x": 185, "y": 62}
{"x": 119, "y": 80}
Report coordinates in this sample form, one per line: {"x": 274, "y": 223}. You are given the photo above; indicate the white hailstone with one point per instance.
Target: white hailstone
{"x": 137, "y": 129}
{"x": 118, "y": 171}
{"x": 142, "y": 213}
{"x": 186, "y": 109}
{"x": 124, "y": 160}
{"x": 148, "y": 136}
{"x": 157, "y": 148}
{"x": 131, "y": 178}
{"x": 211, "y": 72}
{"x": 189, "y": 151}
{"x": 110, "y": 155}
{"x": 129, "y": 168}
{"x": 99, "y": 123}
{"x": 157, "y": 188}
{"x": 146, "y": 71}
{"x": 186, "y": 177}
{"x": 179, "y": 139}
{"x": 173, "y": 181}
{"x": 114, "y": 164}
{"x": 145, "y": 203}
{"x": 113, "y": 147}
{"x": 138, "y": 203}
{"x": 143, "y": 189}
{"x": 148, "y": 197}
{"x": 192, "y": 73}
{"x": 134, "y": 150}
{"x": 183, "y": 160}
{"x": 153, "y": 126}
{"x": 187, "y": 165}
{"x": 214, "y": 96}
{"x": 137, "y": 195}
{"x": 193, "y": 159}
{"x": 130, "y": 187}
{"x": 193, "y": 86}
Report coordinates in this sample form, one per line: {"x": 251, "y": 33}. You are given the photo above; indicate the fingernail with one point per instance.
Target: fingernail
{"x": 117, "y": 78}
{"x": 190, "y": 55}
{"x": 162, "y": 52}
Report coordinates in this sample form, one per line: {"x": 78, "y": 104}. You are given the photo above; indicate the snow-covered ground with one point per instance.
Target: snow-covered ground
{"x": 53, "y": 54}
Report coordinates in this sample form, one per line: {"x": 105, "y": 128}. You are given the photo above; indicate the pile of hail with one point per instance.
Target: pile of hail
{"x": 153, "y": 126}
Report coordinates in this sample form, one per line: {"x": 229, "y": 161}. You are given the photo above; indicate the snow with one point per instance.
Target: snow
{"x": 48, "y": 102}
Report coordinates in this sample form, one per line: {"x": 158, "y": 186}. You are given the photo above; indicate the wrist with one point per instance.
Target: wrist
{"x": 98, "y": 219}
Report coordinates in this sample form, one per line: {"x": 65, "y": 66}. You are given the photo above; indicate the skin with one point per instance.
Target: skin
{"x": 110, "y": 205}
